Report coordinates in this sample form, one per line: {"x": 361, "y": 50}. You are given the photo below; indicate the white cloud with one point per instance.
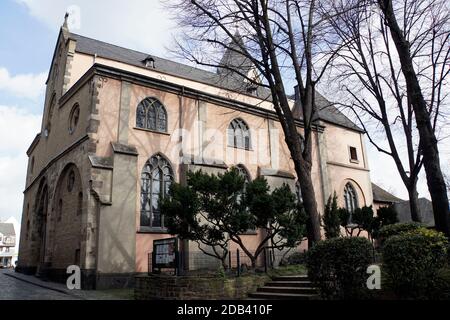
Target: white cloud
{"x": 137, "y": 24}
{"x": 23, "y": 85}
{"x": 17, "y": 130}
{"x": 383, "y": 172}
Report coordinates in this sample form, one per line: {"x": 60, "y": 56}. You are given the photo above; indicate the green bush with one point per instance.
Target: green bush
{"x": 338, "y": 267}
{"x": 412, "y": 261}
{"x": 397, "y": 229}
{"x": 385, "y": 216}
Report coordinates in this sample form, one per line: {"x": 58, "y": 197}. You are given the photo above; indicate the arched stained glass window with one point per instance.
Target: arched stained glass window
{"x": 151, "y": 118}
{"x": 239, "y": 134}
{"x": 156, "y": 178}
{"x": 140, "y": 116}
{"x": 162, "y": 120}
{"x": 350, "y": 198}
{"x": 243, "y": 172}
{"x": 151, "y": 114}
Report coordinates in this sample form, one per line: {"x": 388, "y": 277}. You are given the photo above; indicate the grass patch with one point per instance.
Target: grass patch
{"x": 298, "y": 269}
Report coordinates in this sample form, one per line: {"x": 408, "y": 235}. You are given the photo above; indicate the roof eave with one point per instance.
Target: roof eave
{"x": 33, "y": 144}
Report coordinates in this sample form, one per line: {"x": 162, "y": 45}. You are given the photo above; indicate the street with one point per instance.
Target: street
{"x": 15, "y": 289}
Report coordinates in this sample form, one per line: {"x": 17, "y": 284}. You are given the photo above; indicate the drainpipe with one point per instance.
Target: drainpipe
{"x": 184, "y": 264}
{"x": 322, "y": 177}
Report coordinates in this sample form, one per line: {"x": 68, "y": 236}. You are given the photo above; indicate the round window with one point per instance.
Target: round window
{"x": 74, "y": 118}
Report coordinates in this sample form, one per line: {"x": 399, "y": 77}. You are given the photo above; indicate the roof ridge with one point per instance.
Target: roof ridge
{"x": 141, "y": 52}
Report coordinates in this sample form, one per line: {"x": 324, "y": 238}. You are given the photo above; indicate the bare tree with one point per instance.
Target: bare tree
{"x": 422, "y": 29}
{"x": 283, "y": 42}
{"x": 366, "y": 72}
{"x": 370, "y": 71}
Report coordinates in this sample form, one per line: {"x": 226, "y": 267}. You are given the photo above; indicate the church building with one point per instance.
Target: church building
{"x": 119, "y": 126}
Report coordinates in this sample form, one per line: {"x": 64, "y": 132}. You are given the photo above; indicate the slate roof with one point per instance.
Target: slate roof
{"x": 327, "y": 111}
{"x": 381, "y": 195}
{"x": 425, "y": 211}
{"x": 136, "y": 58}
{"x": 7, "y": 229}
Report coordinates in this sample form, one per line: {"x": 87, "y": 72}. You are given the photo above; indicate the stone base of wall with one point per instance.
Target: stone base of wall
{"x": 115, "y": 281}
{"x": 90, "y": 279}
{"x": 26, "y": 270}
{"x": 163, "y": 287}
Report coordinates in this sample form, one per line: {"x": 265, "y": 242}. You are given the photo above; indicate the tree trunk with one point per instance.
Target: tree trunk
{"x": 302, "y": 159}
{"x": 253, "y": 261}
{"x": 224, "y": 263}
{"x": 303, "y": 171}
{"x": 428, "y": 141}
{"x": 413, "y": 204}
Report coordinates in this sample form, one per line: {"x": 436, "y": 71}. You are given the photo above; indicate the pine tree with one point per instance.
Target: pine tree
{"x": 331, "y": 218}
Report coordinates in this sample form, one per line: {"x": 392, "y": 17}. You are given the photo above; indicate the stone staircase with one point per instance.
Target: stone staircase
{"x": 286, "y": 288}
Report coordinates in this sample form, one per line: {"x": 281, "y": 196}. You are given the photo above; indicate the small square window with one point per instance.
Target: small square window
{"x": 353, "y": 154}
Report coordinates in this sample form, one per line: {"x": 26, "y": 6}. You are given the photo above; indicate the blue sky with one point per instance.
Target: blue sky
{"x": 28, "y": 32}
{"x": 25, "y": 48}
{"x": 27, "y": 44}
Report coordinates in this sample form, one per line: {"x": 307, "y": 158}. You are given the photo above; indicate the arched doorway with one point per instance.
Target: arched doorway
{"x": 40, "y": 226}
{"x": 64, "y": 247}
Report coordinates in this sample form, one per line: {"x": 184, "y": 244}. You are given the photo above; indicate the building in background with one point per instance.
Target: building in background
{"x": 7, "y": 245}
{"x": 425, "y": 211}
{"x": 383, "y": 198}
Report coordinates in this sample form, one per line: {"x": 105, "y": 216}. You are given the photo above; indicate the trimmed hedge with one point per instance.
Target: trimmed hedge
{"x": 397, "y": 229}
{"x": 338, "y": 267}
{"x": 412, "y": 261}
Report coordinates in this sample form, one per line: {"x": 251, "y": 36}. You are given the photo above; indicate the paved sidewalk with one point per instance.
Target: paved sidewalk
{"x": 14, "y": 289}
{"x": 119, "y": 294}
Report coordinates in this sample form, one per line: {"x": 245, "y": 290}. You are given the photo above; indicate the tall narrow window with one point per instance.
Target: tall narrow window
{"x": 60, "y": 209}
{"x": 298, "y": 192}
{"x": 151, "y": 115}
{"x": 28, "y": 230}
{"x": 140, "y": 116}
{"x": 350, "y": 198}
{"x": 80, "y": 204}
{"x": 239, "y": 134}
{"x": 156, "y": 178}
{"x": 51, "y": 107}
{"x": 242, "y": 171}
{"x": 70, "y": 181}
{"x": 73, "y": 118}
{"x": 353, "y": 154}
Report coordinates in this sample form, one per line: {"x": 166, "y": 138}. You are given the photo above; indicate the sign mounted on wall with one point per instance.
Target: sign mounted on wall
{"x": 165, "y": 254}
